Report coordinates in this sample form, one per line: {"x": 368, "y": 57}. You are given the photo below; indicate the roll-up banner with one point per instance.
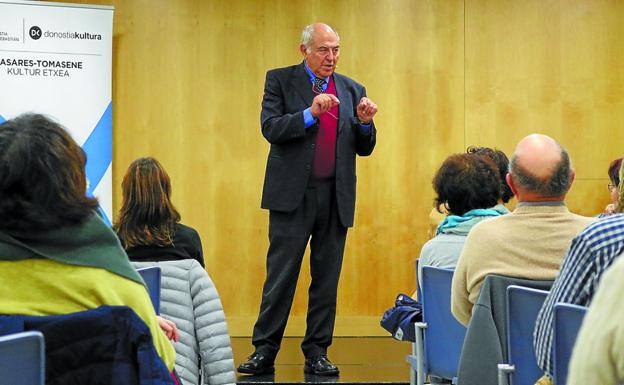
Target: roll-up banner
{"x": 55, "y": 59}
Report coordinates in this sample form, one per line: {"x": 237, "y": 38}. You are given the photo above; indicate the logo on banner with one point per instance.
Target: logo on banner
{"x": 34, "y": 32}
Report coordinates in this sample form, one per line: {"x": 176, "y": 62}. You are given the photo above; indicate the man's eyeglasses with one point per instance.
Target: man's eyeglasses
{"x": 318, "y": 93}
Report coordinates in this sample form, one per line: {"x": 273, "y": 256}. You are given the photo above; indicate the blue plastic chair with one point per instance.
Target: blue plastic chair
{"x": 439, "y": 338}
{"x": 568, "y": 319}
{"x": 151, "y": 276}
{"x": 22, "y": 359}
{"x": 523, "y": 305}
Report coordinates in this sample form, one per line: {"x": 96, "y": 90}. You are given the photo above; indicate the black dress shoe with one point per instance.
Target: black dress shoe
{"x": 320, "y": 365}
{"x": 257, "y": 363}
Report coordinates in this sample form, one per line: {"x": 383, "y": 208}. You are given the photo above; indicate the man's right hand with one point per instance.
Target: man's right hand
{"x": 323, "y": 103}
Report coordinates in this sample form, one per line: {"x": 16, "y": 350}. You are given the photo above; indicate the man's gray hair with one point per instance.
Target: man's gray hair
{"x": 556, "y": 185}
{"x": 308, "y": 35}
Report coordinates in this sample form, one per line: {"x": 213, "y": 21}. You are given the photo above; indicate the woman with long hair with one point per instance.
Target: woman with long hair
{"x": 148, "y": 224}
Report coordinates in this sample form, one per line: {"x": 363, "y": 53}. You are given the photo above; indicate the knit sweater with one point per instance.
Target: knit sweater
{"x": 529, "y": 243}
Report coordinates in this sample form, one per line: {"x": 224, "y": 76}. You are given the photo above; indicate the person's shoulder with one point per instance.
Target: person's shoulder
{"x": 284, "y": 71}
{"x": 445, "y": 239}
{"x": 185, "y": 230}
{"x": 583, "y": 219}
{"x": 443, "y": 243}
{"x": 612, "y": 225}
{"x": 490, "y": 224}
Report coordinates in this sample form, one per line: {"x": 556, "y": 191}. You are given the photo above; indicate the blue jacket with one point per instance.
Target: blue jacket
{"x": 109, "y": 345}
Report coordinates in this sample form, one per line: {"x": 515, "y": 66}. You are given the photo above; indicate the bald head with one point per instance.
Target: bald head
{"x": 540, "y": 168}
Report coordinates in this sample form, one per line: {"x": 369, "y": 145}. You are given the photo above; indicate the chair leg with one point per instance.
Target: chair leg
{"x": 503, "y": 373}
{"x": 412, "y": 360}
{"x": 412, "y": 371}
{"x": 420, "y": 353}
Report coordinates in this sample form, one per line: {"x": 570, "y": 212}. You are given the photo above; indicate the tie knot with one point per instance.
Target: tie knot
{"x": 318, "y": 85}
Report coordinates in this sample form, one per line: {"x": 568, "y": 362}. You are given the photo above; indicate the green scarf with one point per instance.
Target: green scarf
{"x": 91, "y": 243}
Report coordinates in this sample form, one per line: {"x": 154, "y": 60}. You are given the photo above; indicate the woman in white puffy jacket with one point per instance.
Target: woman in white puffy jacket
{"x": 149, "y": 229}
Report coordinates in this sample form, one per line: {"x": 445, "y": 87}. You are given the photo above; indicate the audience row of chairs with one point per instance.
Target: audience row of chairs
{"x": 441, "y": 341}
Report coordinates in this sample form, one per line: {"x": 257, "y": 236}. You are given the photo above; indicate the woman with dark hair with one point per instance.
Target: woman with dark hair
{"x": 468, "y": 189}
{"x": 57, "y": 256}
{"x": 613, "y": 186}
{"x": 501, "y": 161}
{"x": 148, "y": 224}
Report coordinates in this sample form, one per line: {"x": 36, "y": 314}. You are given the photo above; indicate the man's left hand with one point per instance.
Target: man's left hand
{"x": 366, "y": 109}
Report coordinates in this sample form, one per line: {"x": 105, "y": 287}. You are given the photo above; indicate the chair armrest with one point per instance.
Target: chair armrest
{"x": 503, "y": 372}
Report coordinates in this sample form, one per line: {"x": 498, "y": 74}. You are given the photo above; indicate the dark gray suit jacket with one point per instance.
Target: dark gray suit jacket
{"x": 287, "y": 93}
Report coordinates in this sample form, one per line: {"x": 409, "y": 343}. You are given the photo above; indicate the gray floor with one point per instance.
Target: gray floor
{"x": 361, "y": 360}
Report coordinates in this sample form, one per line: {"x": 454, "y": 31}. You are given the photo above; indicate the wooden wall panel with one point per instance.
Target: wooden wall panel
{"x": 551, "y": 67}
{"x": 187, "y": 87}
{"x": 188, "y": 79}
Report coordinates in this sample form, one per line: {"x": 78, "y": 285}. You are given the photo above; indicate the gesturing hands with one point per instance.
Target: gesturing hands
{"x": 366, "y": 109}
{"x": 322, "y": 103}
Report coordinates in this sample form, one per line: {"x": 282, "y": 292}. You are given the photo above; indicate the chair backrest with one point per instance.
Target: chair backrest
{"x": 151, "y": 276}
{"x": 109, "y": 343}
{"x": 22, "y": 359}
{"x": 568, "y": 319}
{"x": 523, "y": 305}
{"x": 444, "y": 336}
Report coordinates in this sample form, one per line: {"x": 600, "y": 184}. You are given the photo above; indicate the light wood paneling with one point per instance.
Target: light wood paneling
{"x": 552, "y": 67}
{"x": 188, "y": 78}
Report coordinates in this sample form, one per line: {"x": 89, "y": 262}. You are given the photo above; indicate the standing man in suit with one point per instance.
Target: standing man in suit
{"x": 316, "y": 122}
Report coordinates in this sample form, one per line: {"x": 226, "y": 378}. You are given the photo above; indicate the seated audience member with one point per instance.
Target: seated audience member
{"x": 148, "y": 227}
{"x": 468, "y": 187}
{"x": 438, "y": 213}
{"x": 148, "y": 223}
{"x": 598, "y": 356}
{"x": 502, "y": 163}
{"x": 590, "y": 254}
{"x": 614, "y": 182}
{"x": 57, "y": 256}
{"x": 530, "y": 242}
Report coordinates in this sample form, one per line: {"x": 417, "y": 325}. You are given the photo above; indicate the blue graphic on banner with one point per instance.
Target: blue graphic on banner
{"x": 99, "y": 149}
{"x": 2, "y": 119}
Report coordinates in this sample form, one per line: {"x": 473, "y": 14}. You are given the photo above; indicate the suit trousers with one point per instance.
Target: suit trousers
{"x": 315, "y": 220}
